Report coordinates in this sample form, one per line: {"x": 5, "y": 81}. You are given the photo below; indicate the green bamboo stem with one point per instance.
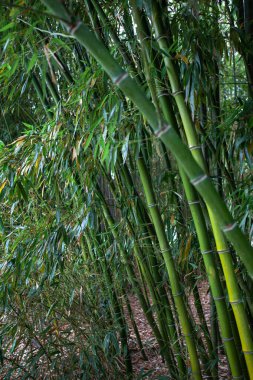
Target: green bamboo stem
{"x": 122, "y": 49}
{"x": 135, "y": 327}
{"x": 163, "y": 131}
{"x": 248, "y": 293}
{"x": 235, "y": 296}
{"x": 52, "y": 89}
{"x": 142, "y": 214}
{"x": 214, "y": 333}
{"x": 94, "y": 20}
{"x": 228, "y": 173}
{"x": 135, "y": 283}
{"x": 150, "y": 282}
{"x": 144, "y": 287}
{"x": 176, "y": 89}
{"x": 152, "y": 76}
{"x": 144, "y": 219}
{"x": 215, "y": 283}
{"x": 202, "y": 319}
{"x": 172, "y": 273}
{"x": 147, "y": 62}
{"x": 162, "y": 307}
{"x": 213, "y": 276}
{"x": 63, "y": 68}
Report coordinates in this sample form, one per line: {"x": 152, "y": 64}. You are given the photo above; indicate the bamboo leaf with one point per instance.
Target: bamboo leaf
{"x": 32, "y": 62}
{"x": 8, "y": 26}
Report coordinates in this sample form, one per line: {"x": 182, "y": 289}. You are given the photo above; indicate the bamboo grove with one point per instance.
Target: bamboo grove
{"x": 126, "y": 173}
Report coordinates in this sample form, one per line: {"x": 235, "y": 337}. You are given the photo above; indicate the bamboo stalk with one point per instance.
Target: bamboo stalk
{"x": 136, "y": 331}
{"x": 135, "y": 283}
{"x": 122, "y": 49}
{"x": 177, "y": 292}
{"x": 213, "y": 277}
{"x": 235, "y": 296}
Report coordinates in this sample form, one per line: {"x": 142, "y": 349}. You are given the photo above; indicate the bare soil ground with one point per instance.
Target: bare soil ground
{"x": 155, "y": 364}
{"x": 154, "y": 367}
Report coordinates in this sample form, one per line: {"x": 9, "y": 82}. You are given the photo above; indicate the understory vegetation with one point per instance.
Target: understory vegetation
{"x": 126, "y": 158}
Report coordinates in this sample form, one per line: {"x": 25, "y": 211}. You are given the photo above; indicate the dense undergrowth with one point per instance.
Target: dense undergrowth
{"x": 99, "y": 194}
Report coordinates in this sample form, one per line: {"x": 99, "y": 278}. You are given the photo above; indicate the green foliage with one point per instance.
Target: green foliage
{"x": 76, "y": 233}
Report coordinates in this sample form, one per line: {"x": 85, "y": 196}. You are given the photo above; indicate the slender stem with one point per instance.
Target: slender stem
{"x": 177, "y": 292}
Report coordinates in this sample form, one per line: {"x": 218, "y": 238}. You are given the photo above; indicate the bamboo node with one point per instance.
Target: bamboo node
{"x": 166, "y": 250}
{"x": 219, "y": 298}
{"x": 228, "y": 339}
{"x": 194, "y": 147}
{"x": 160, "y": 37}
{"x": 196, "y": 181}
{"x": 120, "y": 78}
{"x": 229, "y": 227}
{"x": 177, "y": 93}
{"x": 206, "y": 252}
{"x": 221, "y": 251}
{"x": 160, "y": 132}
{"x": 238, "y": 377}
{"x": 163, "y": 94}
{"x": 150, "y": 205}
{"x": 193, "y": 202}
{"x": 145, "y": 38}
{"x": 248, "y": 352}
{"x": 236, "y": 302}
{"x": 73, "y": 28}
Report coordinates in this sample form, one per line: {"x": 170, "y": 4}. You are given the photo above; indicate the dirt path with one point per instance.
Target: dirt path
{"x": 154, "y": 364}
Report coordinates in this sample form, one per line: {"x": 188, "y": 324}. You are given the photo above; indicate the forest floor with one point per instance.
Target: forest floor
{"x": 154, "y": 367}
